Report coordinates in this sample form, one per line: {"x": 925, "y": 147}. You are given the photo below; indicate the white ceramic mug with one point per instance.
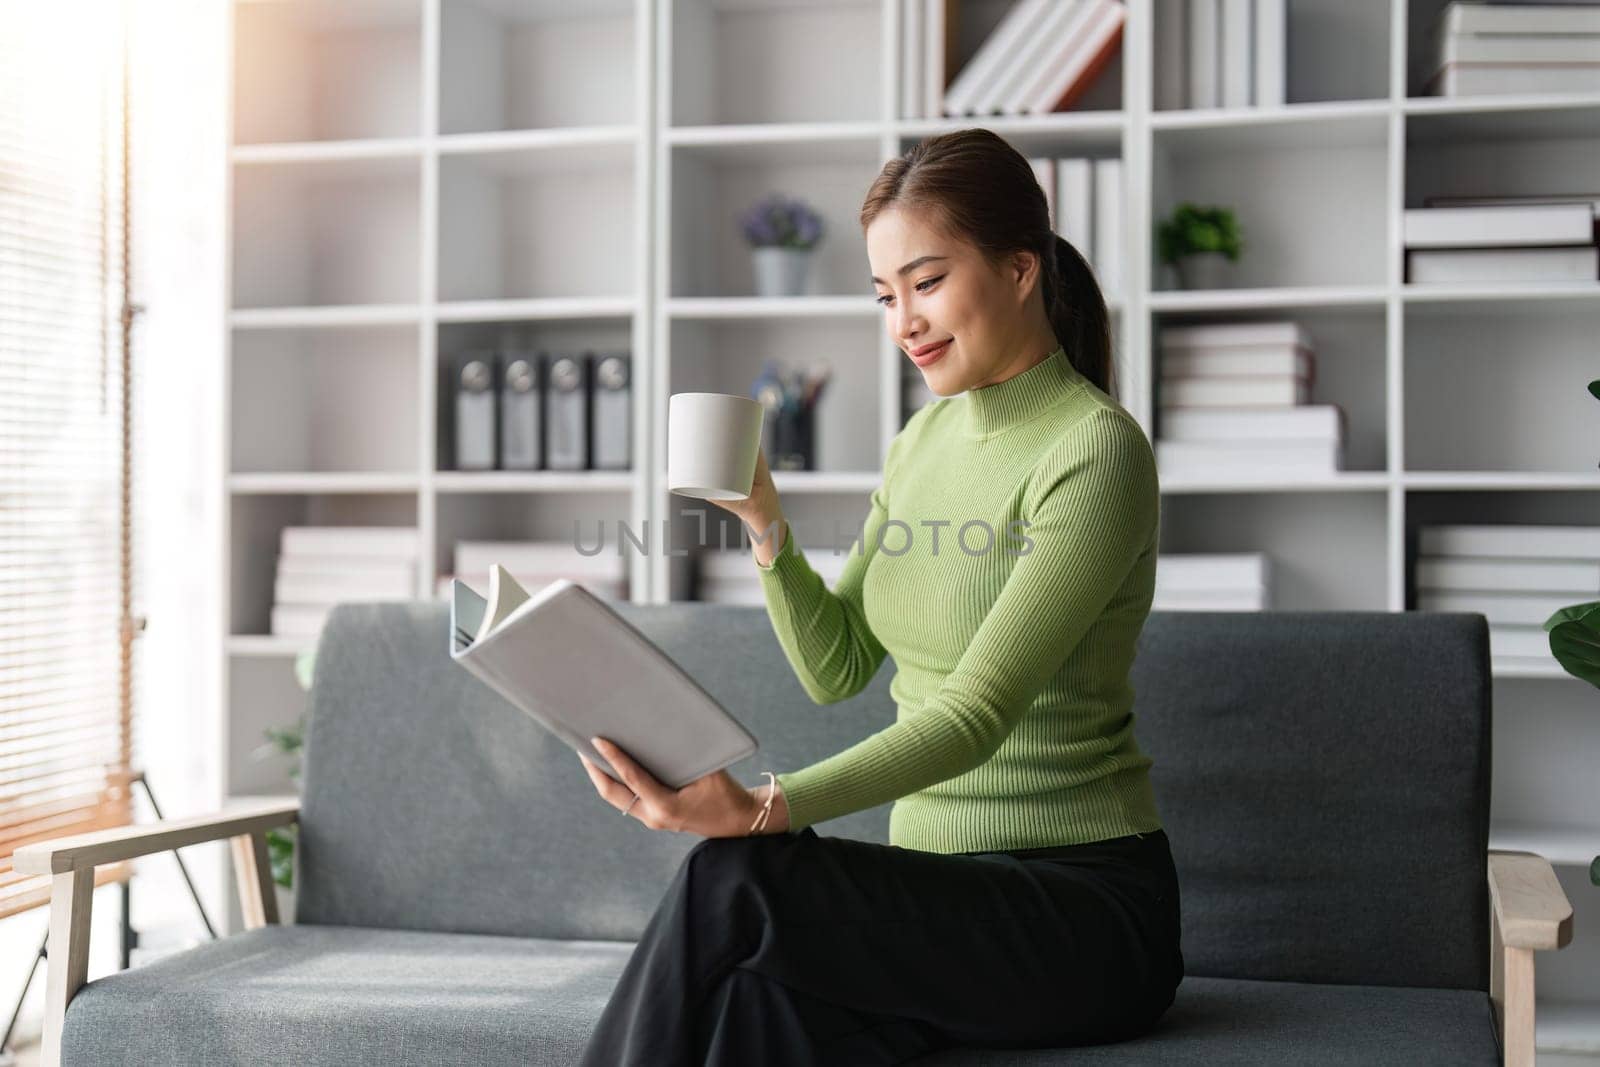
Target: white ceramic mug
{"x": 713, "y": 440}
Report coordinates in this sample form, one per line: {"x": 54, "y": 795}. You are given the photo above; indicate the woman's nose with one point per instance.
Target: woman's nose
{"x": 904, "y": 323}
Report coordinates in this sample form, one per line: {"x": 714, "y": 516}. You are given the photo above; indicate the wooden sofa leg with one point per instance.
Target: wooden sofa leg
{"x": 1512, "y": 990}
{"x": 252, "y": 867}
{"x": 71, "y": 904}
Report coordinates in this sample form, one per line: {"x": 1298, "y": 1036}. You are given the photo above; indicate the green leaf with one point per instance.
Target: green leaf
{"x": 1192, "y": 228}
{"x": 280, "y": 851}
{"x": 1594, "y": 388}
{"x": 1594, "y": 871}
{"x": 1575, "y": 640}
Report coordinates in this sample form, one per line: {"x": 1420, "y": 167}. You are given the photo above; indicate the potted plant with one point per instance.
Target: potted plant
{"x": 1200, "y": 243}
{"x": 782, "y": 233}
{"x": 1575, "y": 643}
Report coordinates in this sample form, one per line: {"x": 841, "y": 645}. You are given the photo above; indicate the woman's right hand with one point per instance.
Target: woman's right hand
{"x": 761, "y": 508}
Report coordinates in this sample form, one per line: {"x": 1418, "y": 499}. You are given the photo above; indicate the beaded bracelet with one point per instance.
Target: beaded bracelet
{"x": 772, "y": 791}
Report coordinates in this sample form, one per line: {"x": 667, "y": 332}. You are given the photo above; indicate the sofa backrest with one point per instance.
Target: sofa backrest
{"x": 1323, "y": 777}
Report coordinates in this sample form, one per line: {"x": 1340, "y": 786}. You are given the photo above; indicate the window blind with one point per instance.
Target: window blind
{"x": 65, "y": 708}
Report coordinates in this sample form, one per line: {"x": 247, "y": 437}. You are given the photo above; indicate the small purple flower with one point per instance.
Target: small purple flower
{"x": 778, "y": 221}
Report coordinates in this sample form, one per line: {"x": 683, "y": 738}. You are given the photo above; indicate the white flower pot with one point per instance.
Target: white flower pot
{"x": 285, "y": 904}
{"x": 1205, "y": 270}
{"x": 781, "y": 271}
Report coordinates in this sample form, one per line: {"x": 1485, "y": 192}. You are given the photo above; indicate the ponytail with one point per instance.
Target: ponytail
{"x": 1078, "y": 315}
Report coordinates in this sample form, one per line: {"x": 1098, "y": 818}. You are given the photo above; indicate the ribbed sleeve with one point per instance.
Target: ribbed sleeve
{"x": 1090, "y": 511}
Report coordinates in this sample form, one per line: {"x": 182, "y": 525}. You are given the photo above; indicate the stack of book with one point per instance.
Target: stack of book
{"x": 320, "y": 566}
{"x": 1084, "y": 200}
{"x": 1503, "y": 239}
{"x": 1219, "y": 53}
{"x": 1235, "y": 404}
{"x": 535, "y": 564}
{"x": 1485, "y": 49}
{"x": 1041, "y": 57}
{"x": 1515, "y": 576}
{"x": 1212, "y": 581}
{"x": 729, "y": 575}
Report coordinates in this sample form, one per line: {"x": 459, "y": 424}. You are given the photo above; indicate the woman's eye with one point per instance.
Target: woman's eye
{"x": 919, "y": 287}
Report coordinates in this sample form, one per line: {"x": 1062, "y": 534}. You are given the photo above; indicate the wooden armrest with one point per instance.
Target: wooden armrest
{"x": 1528, "y": 912}
{"x": 1529, "y": 905}
{"x": 85, "y": 851}
{"x": 70, "y": 863}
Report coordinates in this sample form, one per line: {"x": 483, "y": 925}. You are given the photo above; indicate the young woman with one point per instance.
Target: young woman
{"x": 1028, "y": 896}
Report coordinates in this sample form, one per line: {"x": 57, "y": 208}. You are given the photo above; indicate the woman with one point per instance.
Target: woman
{"x": 1028, "y": 896}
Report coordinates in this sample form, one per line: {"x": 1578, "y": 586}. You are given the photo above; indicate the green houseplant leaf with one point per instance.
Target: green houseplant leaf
{"x": 1575, "y": 640}
{"x": 1192, "y": 228}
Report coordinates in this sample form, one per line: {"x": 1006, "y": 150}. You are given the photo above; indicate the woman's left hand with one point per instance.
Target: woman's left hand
{"x": 714, "y": 805}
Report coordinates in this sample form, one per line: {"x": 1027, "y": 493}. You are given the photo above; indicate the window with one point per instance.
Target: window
{"x": 65, "y": 673}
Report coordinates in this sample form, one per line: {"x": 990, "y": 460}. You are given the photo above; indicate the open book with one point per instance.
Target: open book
{"x": 580, "y": 670}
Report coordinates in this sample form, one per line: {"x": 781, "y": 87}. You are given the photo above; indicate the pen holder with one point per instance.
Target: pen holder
{"x": 793, "y": 445}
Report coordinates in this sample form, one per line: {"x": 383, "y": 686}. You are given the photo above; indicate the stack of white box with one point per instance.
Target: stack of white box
{"x": 1213, "y": 581}
{"x": 320, "y": 566}
{"x": 1235, "y": 404}
{"x": 1516, "y": 576}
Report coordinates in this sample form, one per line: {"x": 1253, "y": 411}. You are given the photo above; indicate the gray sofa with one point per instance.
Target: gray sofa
{"x": 464, "y": 896}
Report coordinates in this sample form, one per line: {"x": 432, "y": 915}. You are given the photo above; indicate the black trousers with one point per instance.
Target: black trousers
{"x": 800, "y": 949}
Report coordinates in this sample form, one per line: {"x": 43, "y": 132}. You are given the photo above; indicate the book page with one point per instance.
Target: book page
{"x": 504, "y": 597}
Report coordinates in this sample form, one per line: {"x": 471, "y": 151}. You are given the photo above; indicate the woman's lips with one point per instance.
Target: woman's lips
{"x": 931, "y": 356}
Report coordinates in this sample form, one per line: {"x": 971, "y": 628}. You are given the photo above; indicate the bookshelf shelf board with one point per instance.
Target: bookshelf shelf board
{"x": 771, "y": 307}
{"x": 1287, "y": 297}
{"x": 1220, "y": 118}
{"x": 755, "y": 134}
{"x": 559, "y": 138}
{"x": 527, "y": 154}
{"x": 290, "y": 318}
{"x": 569, "y": 308}
{"x": 1567, "y": 845}
{"x": 1502, "y": 669}
{"x": 1502, "y": 480}
{"x": 1422, "y": 297}
{"x": 275, "y": 482}
{"x": 533, "y": 481}
{"x": 1342, "y": 482}
{"x": 1490, "y": 103}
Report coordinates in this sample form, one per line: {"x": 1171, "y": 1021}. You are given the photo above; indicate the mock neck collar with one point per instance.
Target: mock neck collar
{"x": 993, "y": 408}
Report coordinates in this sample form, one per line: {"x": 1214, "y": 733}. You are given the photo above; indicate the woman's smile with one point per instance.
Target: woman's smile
{"x": 926, "y": 356}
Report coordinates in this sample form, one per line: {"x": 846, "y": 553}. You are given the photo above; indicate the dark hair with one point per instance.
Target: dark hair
{"x": 974, "y": 186}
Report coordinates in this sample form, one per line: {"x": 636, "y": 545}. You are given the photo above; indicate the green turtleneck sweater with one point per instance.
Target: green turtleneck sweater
{"x": 1007, "y": 564}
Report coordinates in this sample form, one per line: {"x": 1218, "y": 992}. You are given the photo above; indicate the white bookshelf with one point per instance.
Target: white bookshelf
{"x": 572, "y": 173}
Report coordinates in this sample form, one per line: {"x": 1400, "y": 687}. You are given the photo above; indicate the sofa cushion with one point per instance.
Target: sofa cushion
{"x": 1228, "y": 1021}
{"x": 352, "y": 996}
{"x": 349, "y": 996}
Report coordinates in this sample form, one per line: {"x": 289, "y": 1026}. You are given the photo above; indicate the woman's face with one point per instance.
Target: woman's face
{"x": 949, "y": 294}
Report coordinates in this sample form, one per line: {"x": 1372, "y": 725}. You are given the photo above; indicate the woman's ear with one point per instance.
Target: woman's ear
{"x": 1024, "y": 272}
